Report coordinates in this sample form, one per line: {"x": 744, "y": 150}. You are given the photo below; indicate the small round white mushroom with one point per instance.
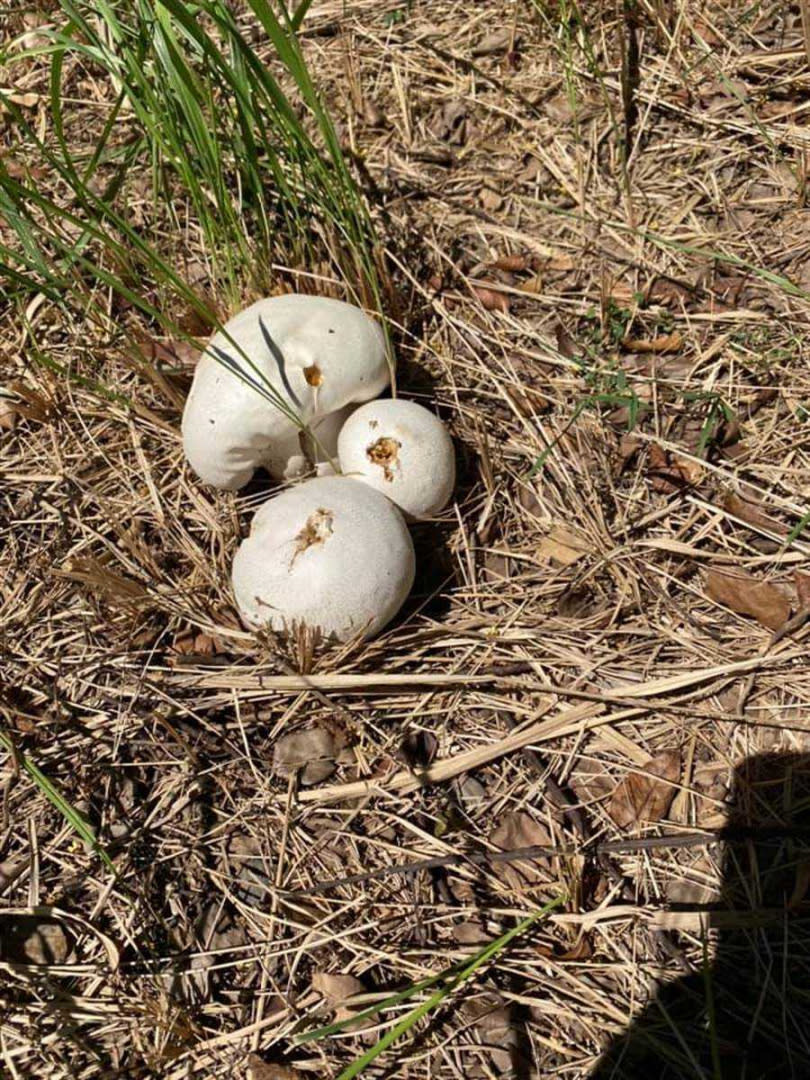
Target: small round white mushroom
{"x": 329, "y": 553}
{"x": 316, "y": 354}
{"x": 402, "y": 450}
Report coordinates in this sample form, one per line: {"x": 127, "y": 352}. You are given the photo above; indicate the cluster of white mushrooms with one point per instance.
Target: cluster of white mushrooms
{"x": 282, "y": 386}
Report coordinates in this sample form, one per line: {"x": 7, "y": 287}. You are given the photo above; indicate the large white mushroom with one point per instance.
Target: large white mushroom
{"x": 403, "y": 450}
{"x": 328, "y": 553}
{"x": 316, "y": 354}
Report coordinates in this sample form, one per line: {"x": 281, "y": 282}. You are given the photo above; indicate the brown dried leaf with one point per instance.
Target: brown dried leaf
{"x": 749, "y": 512}
{"x": 312, "y": 752}
{"x": 670, "y": 472}
{"x": 802, "y": 582}
{"x": 33, "y": 939}
{"x": 747, "y": 596}
{"x": 664, "y": 343}
{"x": 490, "y": 199}
{"x": 562, "y": 546}
{"x": 373, "y": 114}
{"x": 451, "y": 124}
{"x": 264, "y": 1070}
{"x": 336, "y": 988}
{"x": 496, "y": 566}
{"x": 497, "y": 41}
{"x": 519, "y": 830}
{"x": 589, "y": 781}
{"x": 25, "y": 101}
{"x": 512, "y": 263}
{"x": 565, "y": 342}
{"x": 8, "y": 415}
{"x": 647, "y": 797}
{"x": 491, "y": 299}
{"x": 669, "y": 293}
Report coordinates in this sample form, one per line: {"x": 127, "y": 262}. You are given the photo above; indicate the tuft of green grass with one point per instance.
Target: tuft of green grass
{"x": 239, "y": 148}
{"x": 72, "y": 816}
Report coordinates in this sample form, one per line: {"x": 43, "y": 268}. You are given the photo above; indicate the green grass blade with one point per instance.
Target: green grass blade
{"x": 451, "y": 981}
{"x": 77, "y": 822}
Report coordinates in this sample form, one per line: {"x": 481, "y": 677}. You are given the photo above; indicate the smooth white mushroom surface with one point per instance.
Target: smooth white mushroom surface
{"x": 329, "y": 553}
{"x": 317, "y": 354}
{"x": 402, "y": 450}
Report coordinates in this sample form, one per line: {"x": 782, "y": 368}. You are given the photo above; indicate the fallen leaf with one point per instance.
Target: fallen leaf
{"x": 670, "y": 471}
{"x": 32, "y": 939}
{"x": 576, "y": 603}
{"x": 451, "y": 123}
{"x": 749, "y": 512}
{"x": 589, "y": 781}
{"x": 565, "y": 342}
{"x": 629, "y": 446}
{"x": 473, "y": 793}
{"x": 373, "y": 114}
{"x": 533, "y": 285}
{"x": 497, "y": 41}
{"x": 490, "y": 200}
{"x": 669, "y": 293}
{"x": 491, "y": 299}
{"x": 646, "y": 797}
{"x": 496, "y": 566}
{"x": 37, "y": 406}
{"x": 25, "y": 101}
{"x": 268, "y": 1070}
{"x": 519, "y": 830}
{"x": 664, "y": 343}
{"x": 8, "y": 415}
{"x": 337, "y": 989}
{"x": 527, "y": 498}
{"x": 562, "y": 546}
{"x": 747, "y": 596}
{"x": 802, "y": 582}
{"x": 511, "y": 263}
{"x": 309, "y": 753}
{"x": 190, "y": 643}
{"x": 491, "y": 1016}
{"x": 418, "y": 749}
{"x": 702, "y": 29}
{"x": 470, "y": 933}
{"x": 17, "y": 171}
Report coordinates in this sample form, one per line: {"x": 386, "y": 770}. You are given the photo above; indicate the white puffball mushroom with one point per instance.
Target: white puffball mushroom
{"x": 403, "y": 450}
{"x": 317, "y": 354}
{"x": 329, "y": 553}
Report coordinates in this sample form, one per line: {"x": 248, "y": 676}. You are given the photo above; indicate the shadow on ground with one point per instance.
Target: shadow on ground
{"x": 746, "y": 1015}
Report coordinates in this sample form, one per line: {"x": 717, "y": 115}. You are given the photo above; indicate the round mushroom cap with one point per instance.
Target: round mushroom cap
{"x": 310, "y": 354}
{"x": 329, "y": 553}
{"x": 403, "y": 450}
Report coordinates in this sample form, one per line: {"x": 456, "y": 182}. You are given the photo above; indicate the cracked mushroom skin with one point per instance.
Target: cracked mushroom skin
{"x": 404, "y": 451}
{"x": 329, "y": 553}
{"x": 319, "y": 355}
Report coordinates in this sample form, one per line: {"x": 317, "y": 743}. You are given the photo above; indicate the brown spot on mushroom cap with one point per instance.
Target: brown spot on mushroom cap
{"x": 385, "y": 453}
{"x": 317, "y": 530}
{"x": 313, "y": 375}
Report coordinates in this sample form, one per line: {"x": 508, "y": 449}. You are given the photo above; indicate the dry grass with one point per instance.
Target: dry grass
{"x": 570, "y": 602}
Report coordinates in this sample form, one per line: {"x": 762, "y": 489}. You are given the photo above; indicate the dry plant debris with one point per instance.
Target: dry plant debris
{"x": 632, "y": 312}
